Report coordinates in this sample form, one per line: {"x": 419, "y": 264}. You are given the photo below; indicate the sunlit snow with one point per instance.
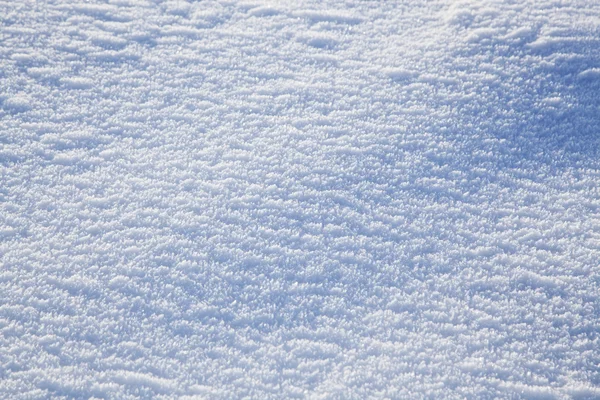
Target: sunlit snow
{"x": 303, "y": 199}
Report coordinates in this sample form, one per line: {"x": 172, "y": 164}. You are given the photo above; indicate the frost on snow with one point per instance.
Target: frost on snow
{"x": 310, "y": 199}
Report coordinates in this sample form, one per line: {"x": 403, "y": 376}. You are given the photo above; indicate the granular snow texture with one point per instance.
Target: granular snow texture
{"x": 307, "y": 199}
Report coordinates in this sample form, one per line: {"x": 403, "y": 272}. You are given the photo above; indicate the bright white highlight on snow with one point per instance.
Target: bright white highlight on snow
{"x": 308, "y": 199}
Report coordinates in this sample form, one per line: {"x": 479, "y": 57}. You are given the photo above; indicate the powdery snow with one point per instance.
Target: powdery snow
{"x": 309, "y": 199}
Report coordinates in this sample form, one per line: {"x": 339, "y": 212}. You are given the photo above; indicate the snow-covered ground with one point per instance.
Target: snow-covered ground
{"x": 303, "y": 199}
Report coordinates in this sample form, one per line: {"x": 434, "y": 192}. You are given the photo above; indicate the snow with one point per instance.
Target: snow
{"x": 310, "y": 199}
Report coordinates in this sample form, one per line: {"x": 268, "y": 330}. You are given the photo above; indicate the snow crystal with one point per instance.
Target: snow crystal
{"x": 340, "y": 199}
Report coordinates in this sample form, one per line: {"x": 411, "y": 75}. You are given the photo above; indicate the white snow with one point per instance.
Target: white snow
{"x": 310, "y": 199}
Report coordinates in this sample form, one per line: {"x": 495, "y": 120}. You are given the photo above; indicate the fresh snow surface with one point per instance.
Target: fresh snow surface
{"x": 303, "y": 199}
